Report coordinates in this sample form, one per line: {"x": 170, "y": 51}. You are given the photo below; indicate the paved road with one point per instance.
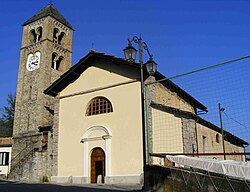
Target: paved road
{"x": 11, "y": 186}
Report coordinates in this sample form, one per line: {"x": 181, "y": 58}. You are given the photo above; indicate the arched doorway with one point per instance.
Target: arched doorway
{"x": 97, "y": 164}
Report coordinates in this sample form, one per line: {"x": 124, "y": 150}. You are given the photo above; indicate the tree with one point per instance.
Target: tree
{"x": 7, "y": 117}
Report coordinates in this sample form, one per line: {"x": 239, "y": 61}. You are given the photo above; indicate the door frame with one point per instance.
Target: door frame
{"x": 97, "y": 154}
{"x": 88, "y": 137}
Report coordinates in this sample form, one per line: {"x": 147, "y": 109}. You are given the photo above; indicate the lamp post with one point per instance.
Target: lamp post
{"x": 130, "y": 56}
{"x": 222, "y": 130}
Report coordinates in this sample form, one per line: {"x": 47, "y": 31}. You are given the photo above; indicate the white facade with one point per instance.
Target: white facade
{"x": 117, "y": 134}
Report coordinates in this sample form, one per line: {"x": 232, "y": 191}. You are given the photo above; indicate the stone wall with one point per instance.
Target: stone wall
{"x": 149, "y": 97}
{"x": 54, "y": 143}
{"x": 34, "y": 110}
{"x": 158, "y": 93}
{"x": 189, "y": 135}
{"x": 169, "y": 98}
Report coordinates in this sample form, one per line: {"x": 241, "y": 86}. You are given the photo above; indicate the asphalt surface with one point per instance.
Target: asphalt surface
{"x": 13, "y": 186}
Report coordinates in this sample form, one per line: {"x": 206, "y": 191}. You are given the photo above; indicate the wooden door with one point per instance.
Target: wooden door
{"x": 97, "y": 164}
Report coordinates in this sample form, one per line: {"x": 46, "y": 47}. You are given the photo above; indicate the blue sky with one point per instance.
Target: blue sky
{"x": 181, "y": 35}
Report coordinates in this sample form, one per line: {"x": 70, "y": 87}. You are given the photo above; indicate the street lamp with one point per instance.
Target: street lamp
{"x": 130, "y": 55}
{"x": 151, "y": 66}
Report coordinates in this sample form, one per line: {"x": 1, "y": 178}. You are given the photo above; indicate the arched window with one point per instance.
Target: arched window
{"x": 217, "y": 138}
{"x": 99, "y": 105}
{"x": 33, "y": 36}
{"x": 36, "y": 35}
{"x": 60, "y": 37}
{"x": 39, "y": 34}
{"x": 55, "y": 35}
{"x": 53, "y": 63}
{"x": 56, "y": 62}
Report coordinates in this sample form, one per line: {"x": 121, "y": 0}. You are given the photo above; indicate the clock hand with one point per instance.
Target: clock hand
{"x": 34, "y": 62}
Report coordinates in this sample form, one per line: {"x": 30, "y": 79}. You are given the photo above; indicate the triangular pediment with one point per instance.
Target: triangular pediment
{"x": 96, "y": 66}
{"x": 101, "y": 75}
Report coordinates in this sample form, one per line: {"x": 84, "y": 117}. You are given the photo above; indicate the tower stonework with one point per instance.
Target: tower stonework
{"x": 46, "y": 53}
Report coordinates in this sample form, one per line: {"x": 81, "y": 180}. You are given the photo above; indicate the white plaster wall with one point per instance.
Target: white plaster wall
{"x": 167, "y": 132}
{"x": 96, "y": 77}
{"x": 124, "y": 123}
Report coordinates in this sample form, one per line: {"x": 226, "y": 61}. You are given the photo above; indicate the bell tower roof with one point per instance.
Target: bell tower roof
{"x": 49, "y": 10}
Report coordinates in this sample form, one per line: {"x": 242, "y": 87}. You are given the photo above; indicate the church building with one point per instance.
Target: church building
{"x": 83, "y": 123}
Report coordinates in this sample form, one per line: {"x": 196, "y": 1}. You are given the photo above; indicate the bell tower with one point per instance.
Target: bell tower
{"x": 46, "y": 53}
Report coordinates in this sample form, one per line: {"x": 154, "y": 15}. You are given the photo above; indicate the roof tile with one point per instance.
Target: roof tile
{"x": 49, "y": 10}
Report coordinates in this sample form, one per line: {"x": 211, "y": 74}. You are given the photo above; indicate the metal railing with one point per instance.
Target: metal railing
{"x": 21, "y": 156}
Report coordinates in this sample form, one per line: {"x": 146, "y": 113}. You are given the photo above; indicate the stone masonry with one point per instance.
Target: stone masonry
{"x": 189, "y": 135}
{"x": 156, "y": 92}
{"x": 34, "y": 111}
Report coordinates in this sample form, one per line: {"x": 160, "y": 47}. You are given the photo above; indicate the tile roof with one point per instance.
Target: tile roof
{"x": 5, "y": 141}
{"x": 49, "y": 10}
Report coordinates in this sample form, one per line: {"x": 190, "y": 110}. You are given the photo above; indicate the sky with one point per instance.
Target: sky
{"x": 182, "y": 35}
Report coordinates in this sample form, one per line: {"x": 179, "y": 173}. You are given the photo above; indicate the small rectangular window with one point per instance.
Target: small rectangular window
{"x": 1, "y": 158}
{"x": 204, "y": 143}
{"x": 4, "y": 158}
{"x": 7, "y": 159}
{"x": 45, "y": 140}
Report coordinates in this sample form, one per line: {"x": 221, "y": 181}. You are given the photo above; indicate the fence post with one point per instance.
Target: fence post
{"x": 222, "y": 130}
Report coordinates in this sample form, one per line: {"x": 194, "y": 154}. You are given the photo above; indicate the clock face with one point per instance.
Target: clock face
{"x": 33, "y": 61}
